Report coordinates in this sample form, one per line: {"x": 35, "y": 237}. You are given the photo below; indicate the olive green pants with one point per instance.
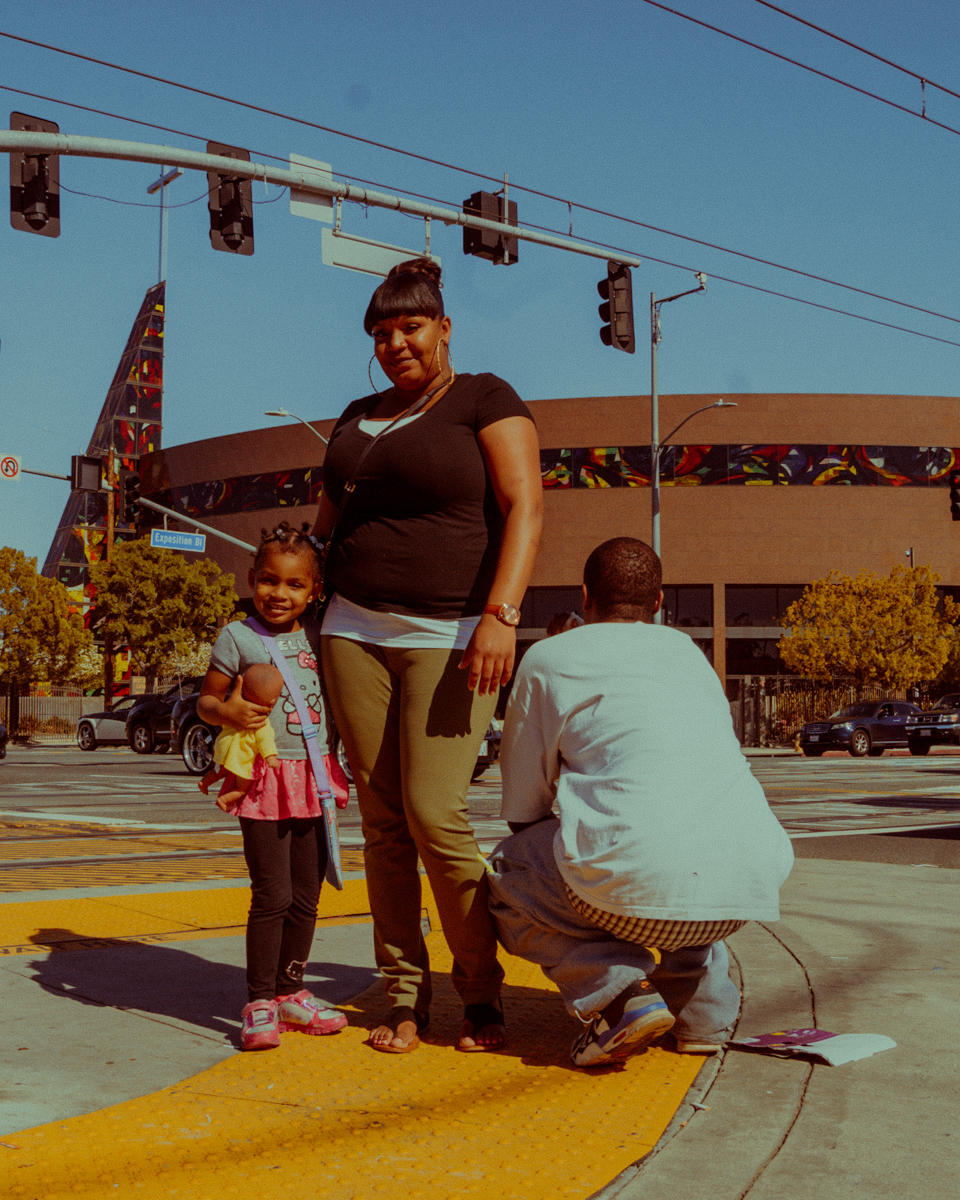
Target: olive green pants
{"x": 412, "y": 730}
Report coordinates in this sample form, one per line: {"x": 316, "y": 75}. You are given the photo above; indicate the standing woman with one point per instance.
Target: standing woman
{"x": 433, "y": 543}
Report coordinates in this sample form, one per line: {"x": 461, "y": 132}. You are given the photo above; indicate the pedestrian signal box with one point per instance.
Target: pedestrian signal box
{"x": 955, "y": 495}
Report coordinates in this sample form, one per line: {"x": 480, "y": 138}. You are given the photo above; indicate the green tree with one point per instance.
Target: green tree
{"x": 891, "y": 631}
{"x": 159, "y": 604}
{"x": 40, "y": 639}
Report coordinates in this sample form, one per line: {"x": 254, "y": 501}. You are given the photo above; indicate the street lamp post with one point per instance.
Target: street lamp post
{"x": 282, "y": 412}
{"x": 655, "y": 450}
{"x": 655, "y": 306}
{"x": 655, "y": 442}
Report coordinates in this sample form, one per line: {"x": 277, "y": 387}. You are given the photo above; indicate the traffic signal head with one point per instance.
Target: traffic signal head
{"x": 231, "y": 204}
{"x": 955, "y": 495}
{"x": 86, "y": 473}
{"x": 617, "y": 309}
{"x": 35, "y": 183}
{"x": 129, "y": 496}
{"x": 484, "y": 243}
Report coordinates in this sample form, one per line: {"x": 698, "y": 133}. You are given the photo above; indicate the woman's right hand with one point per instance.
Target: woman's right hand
{"x": 240, "y": 713}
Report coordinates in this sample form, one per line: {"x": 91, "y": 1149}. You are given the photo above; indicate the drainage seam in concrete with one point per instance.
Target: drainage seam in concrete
{"x": 806, "y": 1083}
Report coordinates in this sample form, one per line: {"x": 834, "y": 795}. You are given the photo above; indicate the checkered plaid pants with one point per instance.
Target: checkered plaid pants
{"x": 656, "y": 935}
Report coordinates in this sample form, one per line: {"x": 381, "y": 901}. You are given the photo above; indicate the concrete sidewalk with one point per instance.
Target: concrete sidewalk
{"x": 862, "y": 947}
{"x": 153, "y": 974}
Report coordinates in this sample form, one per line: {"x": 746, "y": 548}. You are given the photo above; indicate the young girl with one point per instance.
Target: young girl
{"x": 281, "y": 816}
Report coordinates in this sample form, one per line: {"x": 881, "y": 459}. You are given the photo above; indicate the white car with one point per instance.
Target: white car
{"x": 106, "y": 728}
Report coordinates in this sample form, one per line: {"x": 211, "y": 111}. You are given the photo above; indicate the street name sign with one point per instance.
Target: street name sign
{"x": 338, "y": 249}
{"x": 167, "y": 539}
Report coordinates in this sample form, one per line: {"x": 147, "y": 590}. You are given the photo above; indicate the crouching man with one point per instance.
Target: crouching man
{"x": 664, "y": 844}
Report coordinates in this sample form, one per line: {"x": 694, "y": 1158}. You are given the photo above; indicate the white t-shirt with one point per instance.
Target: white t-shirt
{"x": 627, "y": 728}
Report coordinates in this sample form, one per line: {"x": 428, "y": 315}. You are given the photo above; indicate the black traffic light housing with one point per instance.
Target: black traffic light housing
{"x": 484, "y": 243}
{"x": 35, "y": 182}
{"x": 230, "y": 203}
{"x": 617, "y": 309}
{"x": 955, "y": 495}
{"x": 86, "y": 473}
{"x": 128, "y": 498}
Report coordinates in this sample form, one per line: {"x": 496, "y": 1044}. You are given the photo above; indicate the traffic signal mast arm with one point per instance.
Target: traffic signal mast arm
{"x": 302, "y": 181}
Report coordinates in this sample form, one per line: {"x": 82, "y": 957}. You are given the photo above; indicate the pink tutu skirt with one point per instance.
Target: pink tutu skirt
{"x": 288, "y": 790}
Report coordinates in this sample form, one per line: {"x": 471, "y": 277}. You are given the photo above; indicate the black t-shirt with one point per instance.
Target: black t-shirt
{"x": 421, "y": 531}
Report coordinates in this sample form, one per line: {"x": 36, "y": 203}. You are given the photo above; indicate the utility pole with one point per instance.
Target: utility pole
{"x": 108, "y": 555}
{"x": 160, "y": 185}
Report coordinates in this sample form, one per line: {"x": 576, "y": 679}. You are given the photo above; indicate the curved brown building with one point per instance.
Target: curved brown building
{"x": 757, "y": 501}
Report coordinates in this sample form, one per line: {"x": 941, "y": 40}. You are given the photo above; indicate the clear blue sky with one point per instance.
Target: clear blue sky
{"x": 616, "y": 105}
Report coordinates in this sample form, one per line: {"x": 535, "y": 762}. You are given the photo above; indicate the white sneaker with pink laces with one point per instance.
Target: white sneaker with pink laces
{"x": 302, "y": 1012}
{"x": 258, "y": 1030}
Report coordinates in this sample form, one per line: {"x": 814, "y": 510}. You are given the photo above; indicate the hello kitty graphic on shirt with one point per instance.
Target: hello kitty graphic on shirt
{"x": 306, "y": 662}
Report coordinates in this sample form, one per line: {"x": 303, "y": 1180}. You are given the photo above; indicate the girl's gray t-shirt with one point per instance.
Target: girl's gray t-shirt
{"x": 238, "y": 647}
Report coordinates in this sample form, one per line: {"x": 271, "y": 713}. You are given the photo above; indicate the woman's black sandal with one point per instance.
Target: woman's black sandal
{"x": 481, "y": 1016}
{"x": 393, "y": 1020}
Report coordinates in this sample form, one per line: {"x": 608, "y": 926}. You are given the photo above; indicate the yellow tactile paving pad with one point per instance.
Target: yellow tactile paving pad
{"x": 346, "y": 1123}
{"x": 62, "y": 922}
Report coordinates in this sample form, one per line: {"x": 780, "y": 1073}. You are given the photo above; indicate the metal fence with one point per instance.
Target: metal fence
{"x": 47, "y": 714}
{"x": 769, "y": 710}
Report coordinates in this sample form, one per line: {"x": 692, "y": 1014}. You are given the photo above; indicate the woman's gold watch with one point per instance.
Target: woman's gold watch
{"x": 505, "y": 613}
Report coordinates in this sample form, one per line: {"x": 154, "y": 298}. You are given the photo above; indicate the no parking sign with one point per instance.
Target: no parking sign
{"x": 10, "y": 466}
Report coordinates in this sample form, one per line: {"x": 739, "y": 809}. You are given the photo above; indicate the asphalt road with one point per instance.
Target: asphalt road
{"x": 834, "y": 806}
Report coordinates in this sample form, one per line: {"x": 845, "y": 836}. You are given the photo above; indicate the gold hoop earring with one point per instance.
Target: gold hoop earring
{"x": 370, "y": 374}
{"x": 446, "y": 346}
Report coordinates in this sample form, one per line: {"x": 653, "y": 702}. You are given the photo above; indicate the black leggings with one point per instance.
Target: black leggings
{"x": 287, "y": 861}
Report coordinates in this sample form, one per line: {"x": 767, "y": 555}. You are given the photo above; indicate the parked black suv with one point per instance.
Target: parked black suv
{"x": 940, "y": 726}
{"x": 194, "y": 739}
{"x": 866, "y": 728}
{"x": 149, "y": 726}
{"x": 192, "y": 736}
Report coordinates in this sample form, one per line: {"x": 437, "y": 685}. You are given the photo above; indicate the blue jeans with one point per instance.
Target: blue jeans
{"x": 536, "y": 921}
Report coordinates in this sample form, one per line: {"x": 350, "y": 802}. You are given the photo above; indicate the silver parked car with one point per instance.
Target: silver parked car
{"x": 106, "y": 728}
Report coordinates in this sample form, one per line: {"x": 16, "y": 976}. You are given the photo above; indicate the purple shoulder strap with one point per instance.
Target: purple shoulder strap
{"x": 310, "y": 736}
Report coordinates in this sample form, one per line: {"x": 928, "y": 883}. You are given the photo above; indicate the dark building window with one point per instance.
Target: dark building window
{"x": 688, "y": 605}
{"x": 754, "y": 656}
{"x": 950, "y": 590}
{"x": 540, "y": 603}
{"x": 760, "y": 604}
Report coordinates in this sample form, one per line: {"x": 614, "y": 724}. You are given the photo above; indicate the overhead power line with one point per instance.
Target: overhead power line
{"x": 449, "y": 166}
{"x": 912, "y": 112}
{"x": 863, "y": 50}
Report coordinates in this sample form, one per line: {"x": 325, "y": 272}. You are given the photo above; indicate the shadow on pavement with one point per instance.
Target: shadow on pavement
{"x": 168, "y": 981}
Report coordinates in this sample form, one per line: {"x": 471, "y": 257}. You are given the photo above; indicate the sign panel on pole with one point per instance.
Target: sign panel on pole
{"x": 305, "y": 204}
{"x": 168, "y": 539}
{"x": 363, "y": 255}
{"x": 10, "y": 466}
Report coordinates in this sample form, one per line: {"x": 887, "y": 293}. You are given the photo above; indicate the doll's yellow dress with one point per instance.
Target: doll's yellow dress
{"x": 237, "y": 749}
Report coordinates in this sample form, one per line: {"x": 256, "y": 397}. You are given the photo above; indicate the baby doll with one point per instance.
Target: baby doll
{"x": 235, "y": 750}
